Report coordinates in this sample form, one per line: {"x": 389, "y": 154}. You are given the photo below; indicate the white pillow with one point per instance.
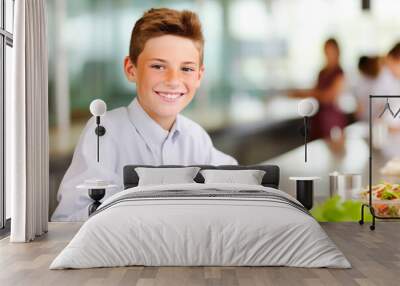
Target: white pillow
{"x": 163, "y": 176}
{"x": 248, "y": 177}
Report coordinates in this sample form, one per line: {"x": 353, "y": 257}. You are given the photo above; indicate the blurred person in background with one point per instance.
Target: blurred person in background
{"x": 368, "y": 82}
{"x": 329, "y": 121}
{"x": 391, "y": 71}
{"x": 381, "y": 77}
{"x": 332, "y": 62}
{"x": 378, "y": 77}
{"x": 332, "y": 59}
{"x": 389, "y": 84}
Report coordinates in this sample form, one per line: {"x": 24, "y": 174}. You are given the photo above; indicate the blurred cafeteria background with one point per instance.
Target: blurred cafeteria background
{"x": 261, "y": 58}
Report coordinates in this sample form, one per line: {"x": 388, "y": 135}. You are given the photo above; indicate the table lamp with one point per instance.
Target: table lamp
{"x": 307, "y": 108}
{"x": 96, "y": 187}
{"x": 305, "y": 185}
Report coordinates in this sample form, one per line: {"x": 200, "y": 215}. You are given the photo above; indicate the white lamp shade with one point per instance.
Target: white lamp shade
{"x": 307, "y": 107}
{"x": 98, "y": 107}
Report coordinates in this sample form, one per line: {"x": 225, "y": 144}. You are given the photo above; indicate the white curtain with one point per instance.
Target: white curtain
{"x": 27, "y": 148}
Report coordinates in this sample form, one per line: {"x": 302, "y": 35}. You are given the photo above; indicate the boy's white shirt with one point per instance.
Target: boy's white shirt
{"x": 132, "y": 137}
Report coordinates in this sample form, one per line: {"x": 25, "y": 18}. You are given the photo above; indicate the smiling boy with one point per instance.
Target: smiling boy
{"x": 166, "y": 63}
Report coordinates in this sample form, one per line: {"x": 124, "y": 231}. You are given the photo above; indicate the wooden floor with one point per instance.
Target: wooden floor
{"x": 375, "y": 256}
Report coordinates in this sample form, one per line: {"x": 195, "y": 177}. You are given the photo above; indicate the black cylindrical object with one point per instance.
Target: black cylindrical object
{"x": 305, "y": 193}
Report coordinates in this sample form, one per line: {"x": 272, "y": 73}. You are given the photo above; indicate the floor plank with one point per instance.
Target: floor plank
{"x": 374, "y": 255}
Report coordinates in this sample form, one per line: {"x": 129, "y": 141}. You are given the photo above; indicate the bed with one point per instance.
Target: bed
{"x": 201, "y": 224}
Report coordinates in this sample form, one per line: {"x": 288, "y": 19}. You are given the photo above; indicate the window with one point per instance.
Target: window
{"x": 6, "y": 44}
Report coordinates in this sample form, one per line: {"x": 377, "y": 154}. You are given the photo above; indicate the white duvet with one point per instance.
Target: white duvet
{"x": 200, "y": 231}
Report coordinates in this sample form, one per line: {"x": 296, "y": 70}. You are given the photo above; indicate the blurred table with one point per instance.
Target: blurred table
{"x": 322, "y": 161}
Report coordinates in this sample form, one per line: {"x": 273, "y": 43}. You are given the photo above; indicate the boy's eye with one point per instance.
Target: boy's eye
{"x": 187, "y": 69}
{"x": 157, "y": 67}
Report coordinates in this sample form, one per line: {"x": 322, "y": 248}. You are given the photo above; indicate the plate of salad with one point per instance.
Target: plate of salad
{"x": 385, "y": 199}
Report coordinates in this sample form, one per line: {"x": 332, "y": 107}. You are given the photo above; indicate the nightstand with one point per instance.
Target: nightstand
{"x": 305, "y": 190}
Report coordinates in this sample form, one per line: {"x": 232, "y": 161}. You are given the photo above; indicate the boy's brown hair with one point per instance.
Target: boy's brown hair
{"x": 163, "y": 21}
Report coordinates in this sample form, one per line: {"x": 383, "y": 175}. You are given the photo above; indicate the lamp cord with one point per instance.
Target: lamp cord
{"x": 98, "y": 124}
{"x": 305, "y": 138}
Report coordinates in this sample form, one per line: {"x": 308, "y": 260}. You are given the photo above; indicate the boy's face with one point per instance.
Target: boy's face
{"x": 167, "y": 75}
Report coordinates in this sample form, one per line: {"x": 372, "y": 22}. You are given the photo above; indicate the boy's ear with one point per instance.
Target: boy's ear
{"x": 129, "y": 69}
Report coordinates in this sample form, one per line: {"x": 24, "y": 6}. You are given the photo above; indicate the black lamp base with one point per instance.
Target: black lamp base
{"x": 96, "y": 195}
{"x": 305, "y": 193}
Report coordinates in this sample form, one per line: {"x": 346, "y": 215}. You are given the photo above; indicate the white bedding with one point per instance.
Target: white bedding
{"x": 182, "y": 231}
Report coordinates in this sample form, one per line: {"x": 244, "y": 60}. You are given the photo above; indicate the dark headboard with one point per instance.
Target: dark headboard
{"x": 270, "y": 179}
